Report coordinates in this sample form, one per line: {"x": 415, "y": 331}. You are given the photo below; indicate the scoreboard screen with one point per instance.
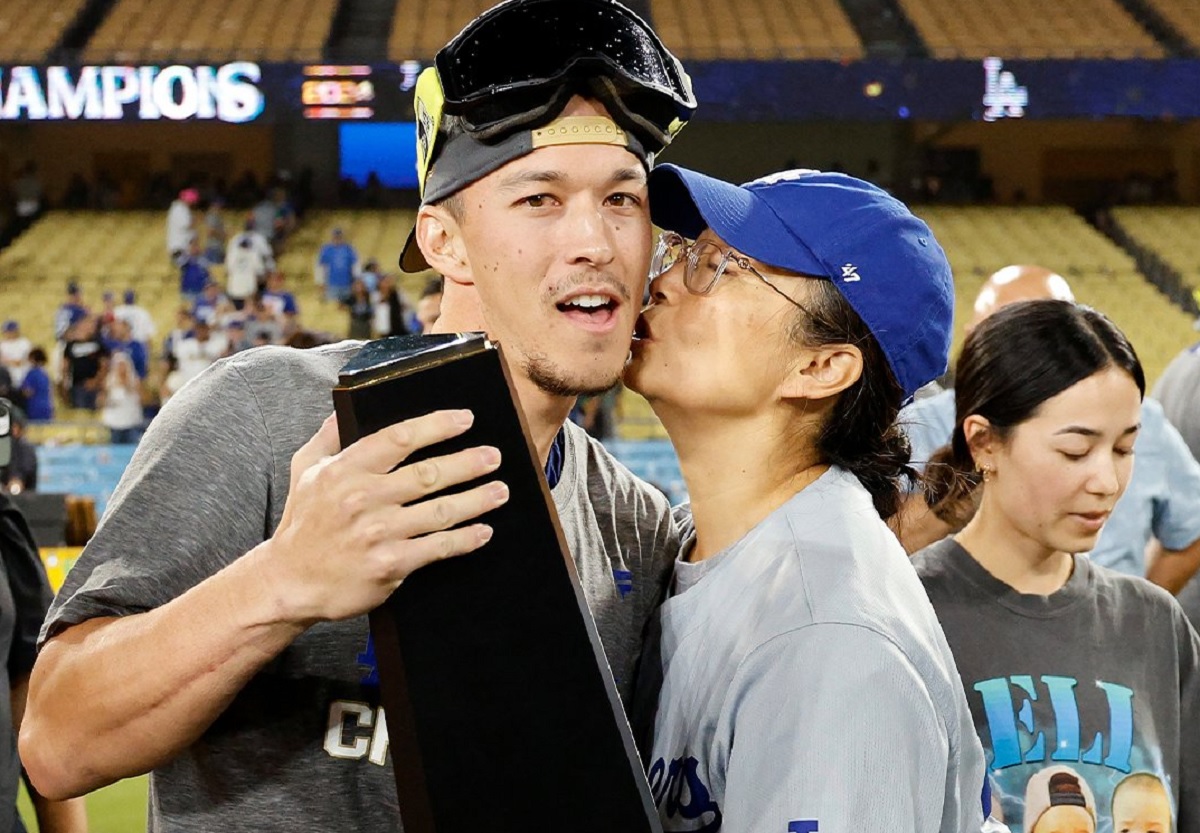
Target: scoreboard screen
{"x": 998, "y": 87}
{"x": 238, "y": 92}
{"x": 386, "y": 149}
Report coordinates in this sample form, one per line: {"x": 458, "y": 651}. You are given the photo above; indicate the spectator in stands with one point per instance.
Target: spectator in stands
{"x": 85, "y": 360}
{"x": 172, "y": 380}
{"x": 36, "y": 388}
{"x": 196, "y": 353}
{"x": 258, "y": 242}
{"x": 429, "y": 306}
{"x": 1047, "y": 410}
{"x": 14, "y": 351}
{"x": 598, "y": 413}
{"x": 70, "y": 312}
{"x": 779, "y": 382}
{"x": 337, "y": 265}
{"x": 29, "y": 197}
{"x": 245, "y": 266}
{"x": 370, "y": 276}
{"x": 78, "y": 193}
{"x": 360, "y": 309}
{"x": 21, "y": 473}
{"x": 274, "y": 217}
{"x": 141, "y": 322}
{"x": 261, "y": 326}
{"x": 184, "y": 327}
{"x": 194, "y": 273}
{"x": 373, "y": 192}
{"x": 108, "y": 311}
{"x": 120, "y": 401}
{"x": 1162, "y": 503}
{"x": 120, "y": 340}
{"x": 305, "y": 340}
{"x": 215, "y": 237}
{"x": 217, "y": 714}
{"x": 391, "y": 310}
{"x": 239, "y": 340}
{"x": 108, "y": 193}
{"x": 265, "y": 214}
{"x": 209, "y": 307}
{"x": 8, "y": 390}
{"x": 281, "y": 303}
{"x": 181, "y": 227}
{"x": 26, "y": 591}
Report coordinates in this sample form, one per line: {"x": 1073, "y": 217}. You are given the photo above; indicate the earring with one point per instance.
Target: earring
{"x": 986, "y": 471}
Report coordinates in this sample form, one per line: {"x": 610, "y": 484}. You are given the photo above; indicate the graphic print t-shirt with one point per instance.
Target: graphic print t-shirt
{"x": 1085, "y": 700}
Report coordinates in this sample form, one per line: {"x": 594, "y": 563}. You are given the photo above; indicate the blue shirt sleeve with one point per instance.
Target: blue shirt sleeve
{"x": 1176, "y": 521}
{"x": 929, "y": 424}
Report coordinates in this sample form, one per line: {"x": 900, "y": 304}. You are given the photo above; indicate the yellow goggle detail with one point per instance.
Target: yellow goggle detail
{"x": 429, "y": 107}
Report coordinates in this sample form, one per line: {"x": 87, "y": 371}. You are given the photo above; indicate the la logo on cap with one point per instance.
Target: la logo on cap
{"x": 850, "y": 273}
{"x": 783, "y": 176}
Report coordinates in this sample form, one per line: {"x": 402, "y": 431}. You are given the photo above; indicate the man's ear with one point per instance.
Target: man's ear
{"x": 822, "y": 372}
{"x": 439, "y": 236}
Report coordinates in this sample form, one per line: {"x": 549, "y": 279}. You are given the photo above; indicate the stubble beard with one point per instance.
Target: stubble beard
{"x": 556, "y": 380}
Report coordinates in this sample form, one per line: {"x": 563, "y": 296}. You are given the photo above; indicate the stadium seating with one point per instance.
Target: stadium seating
{"x": 119, "y": 250}
{"x": 979, "y": 241}
{"x": 114, "y": 251}
{"x": 29, "y": 29}
{"x": 756, "y": 29}
{"x": 1171, "y": 232}
{"x": 222, "y": 30}
{"x": 1181, "y": 16}
{"x": 1029, "y": 29}
{"x": 420, "y": 27}
{"x": 377, "y": 235}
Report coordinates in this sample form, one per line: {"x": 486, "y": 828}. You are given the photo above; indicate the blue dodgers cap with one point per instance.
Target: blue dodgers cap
{"x": 883, "y": 259}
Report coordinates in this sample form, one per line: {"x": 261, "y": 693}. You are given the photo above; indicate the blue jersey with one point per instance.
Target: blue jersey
{"x": 193, "y": 275}
{"x": 39, "y": 406}
{"x": 339, "y": 260}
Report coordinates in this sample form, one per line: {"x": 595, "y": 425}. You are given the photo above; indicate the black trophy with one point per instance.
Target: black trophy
{"x": 501, "y": 708}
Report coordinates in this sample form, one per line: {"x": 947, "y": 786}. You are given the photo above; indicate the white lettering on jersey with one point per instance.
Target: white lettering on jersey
{"x": 341, "y": 739}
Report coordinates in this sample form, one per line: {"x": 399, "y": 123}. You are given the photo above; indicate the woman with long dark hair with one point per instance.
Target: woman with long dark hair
{"x": 1083, "y": 682}
{"x": 796, "y": 678}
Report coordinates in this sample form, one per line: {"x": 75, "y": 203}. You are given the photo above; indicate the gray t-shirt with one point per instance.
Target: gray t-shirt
{"x": 304, "y": 745}
{"x": 1086, "y": 700}
{"x": 802, "y": 683}
{"x": 1178, "y": 389}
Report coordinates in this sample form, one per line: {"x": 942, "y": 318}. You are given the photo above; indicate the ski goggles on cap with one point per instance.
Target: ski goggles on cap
{"x": 494, "y": 85}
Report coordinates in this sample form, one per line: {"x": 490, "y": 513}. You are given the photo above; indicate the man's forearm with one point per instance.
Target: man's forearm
{"x": 1172, "y": 569}
{"x": 190, "y": 658}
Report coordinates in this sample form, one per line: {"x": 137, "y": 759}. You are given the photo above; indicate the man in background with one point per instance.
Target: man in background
{"x": 337, "y": 266}
{"x": 181, "y": 227}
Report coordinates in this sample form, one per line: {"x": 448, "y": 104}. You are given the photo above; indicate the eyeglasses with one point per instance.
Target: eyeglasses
{"x": 704, "y": 264}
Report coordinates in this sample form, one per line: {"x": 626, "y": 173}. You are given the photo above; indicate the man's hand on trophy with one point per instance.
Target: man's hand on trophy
{"x": 353, "y": 529}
